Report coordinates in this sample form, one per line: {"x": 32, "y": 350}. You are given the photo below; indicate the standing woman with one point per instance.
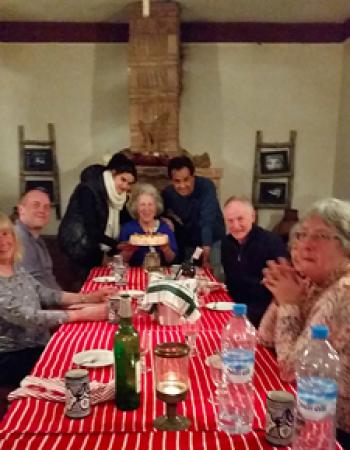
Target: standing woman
{"x": 95, "y": 213}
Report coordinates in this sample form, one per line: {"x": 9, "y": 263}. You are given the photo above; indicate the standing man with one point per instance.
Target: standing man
{"x": 244, "y": 253}
{"x": 34, "y": 211}
{"x": 191, "y": 203}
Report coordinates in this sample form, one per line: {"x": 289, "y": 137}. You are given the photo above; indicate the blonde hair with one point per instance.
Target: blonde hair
{"x": 144, "y": 188}
{"x": 7, "y": 225}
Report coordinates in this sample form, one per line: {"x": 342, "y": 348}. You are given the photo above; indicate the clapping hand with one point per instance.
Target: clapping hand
{"x": 284, "y": 282}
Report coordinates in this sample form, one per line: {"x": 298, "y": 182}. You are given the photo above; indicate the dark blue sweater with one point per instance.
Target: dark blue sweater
{"x": 243, "y": 265}
{"x": 199, "y": 212}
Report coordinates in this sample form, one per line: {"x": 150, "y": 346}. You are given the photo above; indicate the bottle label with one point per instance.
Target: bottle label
{"x": 238, "y": 365}
{"x": 197, "y": 253}
{"x": 316, "y": 397}
{"x": 137, "y": 377}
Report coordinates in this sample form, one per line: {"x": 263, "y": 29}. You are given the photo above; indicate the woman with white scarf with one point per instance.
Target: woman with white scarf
{"x": 96, "y": 210}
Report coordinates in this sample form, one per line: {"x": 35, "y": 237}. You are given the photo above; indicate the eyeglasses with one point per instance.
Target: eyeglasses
{"x": 321, "y": 236}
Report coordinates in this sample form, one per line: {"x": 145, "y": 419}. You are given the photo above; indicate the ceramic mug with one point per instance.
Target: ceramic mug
{"x": 279, "y": 417}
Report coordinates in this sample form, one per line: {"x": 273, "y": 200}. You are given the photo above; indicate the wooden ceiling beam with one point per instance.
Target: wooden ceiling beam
{"x": 190, "y": 32}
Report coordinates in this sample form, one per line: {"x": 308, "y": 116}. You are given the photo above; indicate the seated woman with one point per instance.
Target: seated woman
{"x": 267, "y": 327}
{"x": 24, "y": 324}
{"x": 145, "y": 205}
{"x": 323, "y": 257}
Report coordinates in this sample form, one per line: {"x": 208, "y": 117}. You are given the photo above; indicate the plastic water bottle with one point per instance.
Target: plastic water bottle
{"x": 236, "y": 401}
{"x": 317, "y": 374}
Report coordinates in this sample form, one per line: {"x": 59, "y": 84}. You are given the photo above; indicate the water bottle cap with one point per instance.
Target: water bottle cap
{"x": 319, "y": 332}
{"x": 239, "y": 309}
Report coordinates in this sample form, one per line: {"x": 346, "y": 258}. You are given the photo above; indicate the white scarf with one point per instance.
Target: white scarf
{"x": 116, "y": 203}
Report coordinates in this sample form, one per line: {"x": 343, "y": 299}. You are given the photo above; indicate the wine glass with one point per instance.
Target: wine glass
{"x": 145, "y": 347}
{"x": 214, "y": 362}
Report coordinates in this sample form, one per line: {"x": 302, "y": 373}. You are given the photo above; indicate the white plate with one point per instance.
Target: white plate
{"x": 133, "y": 293}
{"x": 105, "y": 279}
{"x": 94, "y": 358}
{"x": 219, "y": 306}
{"x": 213, "y": 285}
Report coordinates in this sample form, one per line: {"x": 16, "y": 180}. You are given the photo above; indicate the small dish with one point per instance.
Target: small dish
{"x": 105, "y": 279}
{"x": 94, "y": 358}
{"x": 219, "y": 306}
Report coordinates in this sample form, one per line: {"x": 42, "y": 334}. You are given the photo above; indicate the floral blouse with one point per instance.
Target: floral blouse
{"x": 23, "y": 322}
{"x": 267, "y": 327}
{"x": 328, "y": 305}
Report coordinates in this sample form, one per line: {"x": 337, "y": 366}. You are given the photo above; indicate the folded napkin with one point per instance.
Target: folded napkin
{"x": 53, "y": 389}
{"x": 179, "y": 295}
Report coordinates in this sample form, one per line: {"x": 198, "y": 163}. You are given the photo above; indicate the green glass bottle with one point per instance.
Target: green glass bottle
{"x": 127, "y": 360}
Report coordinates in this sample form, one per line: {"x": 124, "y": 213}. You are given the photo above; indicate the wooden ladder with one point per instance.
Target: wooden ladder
{"x": 38, "y": 166}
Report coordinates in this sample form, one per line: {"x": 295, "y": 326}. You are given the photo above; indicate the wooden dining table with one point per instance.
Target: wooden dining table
{"x": 33, "y": 424}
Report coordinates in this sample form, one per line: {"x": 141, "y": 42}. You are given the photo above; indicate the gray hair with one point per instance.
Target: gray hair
{"x": 144, "y": 188}
{"x": 335, "y": 213}
{"x": 292, "y": 237}
{"x": 240, "y": 199}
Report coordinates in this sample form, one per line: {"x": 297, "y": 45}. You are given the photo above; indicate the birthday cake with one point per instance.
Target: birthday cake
{"x": 149, "y": 239}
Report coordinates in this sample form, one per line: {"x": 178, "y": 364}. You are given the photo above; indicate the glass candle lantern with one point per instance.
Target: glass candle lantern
{"x": 171, "y": 375}
{"x": 152, "y": 261}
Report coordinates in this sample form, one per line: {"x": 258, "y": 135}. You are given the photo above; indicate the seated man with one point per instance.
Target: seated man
{"x": 34, "y": 211}
{"x": 244, "y": 253}
{"x": 191, "y": 203}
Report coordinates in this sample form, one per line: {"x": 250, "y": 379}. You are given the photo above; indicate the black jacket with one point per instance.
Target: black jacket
{"x": 82, "y": 228}
{"x": 243, "y": 265}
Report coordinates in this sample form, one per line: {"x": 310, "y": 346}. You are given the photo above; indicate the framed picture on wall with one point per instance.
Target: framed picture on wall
{"x": 271, "y": 194}
{"x": 38, "y": 159}
{"x": 275, "y": 162}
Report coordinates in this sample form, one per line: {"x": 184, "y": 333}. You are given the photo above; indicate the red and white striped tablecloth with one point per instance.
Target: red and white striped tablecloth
{"x": 137, "y": 279}
{"x": 37, "y": 424}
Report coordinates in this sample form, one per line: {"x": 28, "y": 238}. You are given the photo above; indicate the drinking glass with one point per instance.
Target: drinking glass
{"x": 119, "y": 268}
{"x": 203, "y": 290}
{"x": 145, "y": 347}
{"x": 190, "y": 330}
{"x": 214, "y": 362}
